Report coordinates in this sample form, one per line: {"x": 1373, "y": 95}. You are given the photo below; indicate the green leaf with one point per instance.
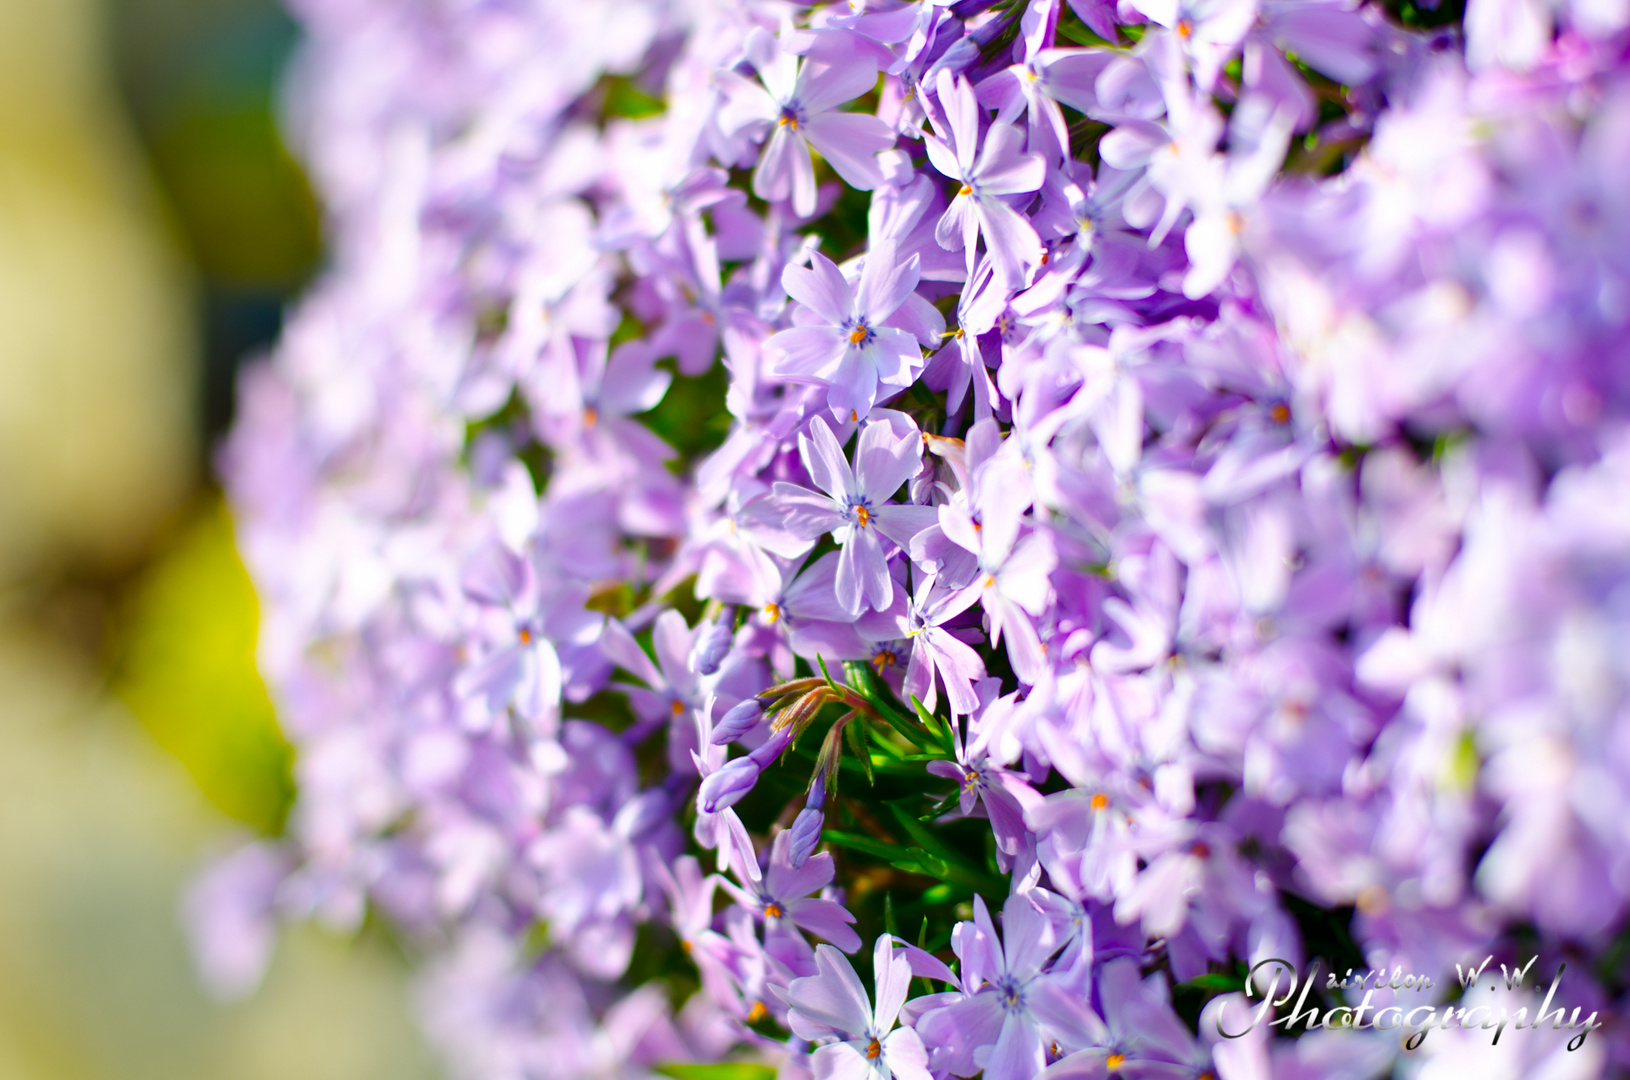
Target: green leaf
{"x": 881, "y": 766}
{"x": 724, "y": 1070}
{"x": 1213, "y": 981}
{"x": 857, "y": 842}
{"x": 919, "y": 861}
{"x": 924, "y": 836}
{"x": 856, "y": 734}
{"x": 932, "y": 723}
{"x": 825, "y": 674}
{"x": 863, "y": 681}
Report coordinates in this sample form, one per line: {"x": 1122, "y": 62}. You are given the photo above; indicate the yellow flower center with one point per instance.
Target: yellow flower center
{"x": 757, "y": 1012}
{"x": 1100, "y": 801}
{"x": 678, "y": 707}
{"x": 857, "y": 335}
{"x": 591, "y": 416}
{"x": 772, "y": 612}
{"x": 883, "y": 659}
{"x": 789, "y": 121}
{"x": 863, "y": 516}
{"x": 772, "y": 910}
{"x": 965, "y": 190}
{"x": 1114, "y": 1061}
{"x": 526, "y": 636}
{"x": 873, "y": 1050}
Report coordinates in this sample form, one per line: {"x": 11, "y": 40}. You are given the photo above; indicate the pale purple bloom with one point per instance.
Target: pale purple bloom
{"x": 833, "y": 1002}
{"x": 856, "y": 506}
{"x": 1003, "y": 794}
{"x": 988, "y": 170}
{"x": 231, "y": 918}
{"x": 1011, "y": 573}
{"x": 522, "y": 668}
{"x": 849, "y": 344}
{"x": 1012, "y": 1008}
{"x": 781, "y": 898}
{"x": 797, "y": 109}
{"x": 1051, "y": 78}
{"x": 935, "y": 649}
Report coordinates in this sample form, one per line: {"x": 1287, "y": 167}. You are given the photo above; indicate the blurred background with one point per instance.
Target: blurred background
{"x": 153, "y": 227}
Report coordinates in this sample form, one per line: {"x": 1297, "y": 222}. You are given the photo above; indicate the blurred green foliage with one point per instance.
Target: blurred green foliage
{"x": 185, "y": 665}
{"x": 201, "y": 77}
{"x": 244, "y": 204}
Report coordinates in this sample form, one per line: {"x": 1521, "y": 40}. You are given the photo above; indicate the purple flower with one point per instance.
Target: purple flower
{"x": 1004, "y": 794}
{"x": 797, "y": 108}
{"x": 852, "y": 349}
{"x": 1039, "y": 86}
{"x": 1011, "y": 574}
{"x": 1012, "y": 1008}
{"x": 988, "y": 172}
{"x": 935, "y": 649}
{"x": 833, "y": 1002}
{"x": 522, "y": 620}
{"x": 855, "y": 506}
{"x": 781, "y": 898}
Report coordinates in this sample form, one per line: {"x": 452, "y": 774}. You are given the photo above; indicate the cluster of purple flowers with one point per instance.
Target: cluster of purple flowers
{"x": 1200, "y": 425}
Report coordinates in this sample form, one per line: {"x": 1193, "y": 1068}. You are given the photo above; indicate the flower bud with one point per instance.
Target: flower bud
{"x": 738, "y": 721}
{"x": 806, "y": 834}
{"x": 712, "y": 646}
{"x": 772, "y": 748}
{"x": 726, "y": 786}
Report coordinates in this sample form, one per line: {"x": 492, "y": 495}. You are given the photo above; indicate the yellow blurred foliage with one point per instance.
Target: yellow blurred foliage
{"x": 97, "y": 330}
{"x": 186, "y": 668}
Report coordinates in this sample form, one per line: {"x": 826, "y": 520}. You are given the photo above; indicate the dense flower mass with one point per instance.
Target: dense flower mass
{"x": 1073, "y": 500}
